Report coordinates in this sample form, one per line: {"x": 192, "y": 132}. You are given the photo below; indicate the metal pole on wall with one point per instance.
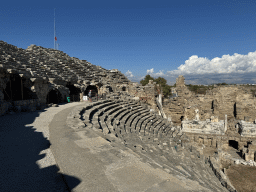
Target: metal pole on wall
{"x": 54, "y": 29}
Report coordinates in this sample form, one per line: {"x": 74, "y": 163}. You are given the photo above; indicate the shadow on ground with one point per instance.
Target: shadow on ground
{"x": 20, "y": 146}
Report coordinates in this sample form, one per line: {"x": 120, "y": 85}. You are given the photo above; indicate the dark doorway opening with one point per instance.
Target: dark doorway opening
{"x": 109, "y": 89}
{"x": 54, "y": 96}
{"x": 181, "y": 118}
{"x": 74, "y": 92}
{"x": 15, "y": 89}
{"x": 235, "y": 113}
{"x": 123, "y": 88}
{"x": 233, "y": 143}
{"x": 212, "y": 107}
{"x": 94, "y": 90}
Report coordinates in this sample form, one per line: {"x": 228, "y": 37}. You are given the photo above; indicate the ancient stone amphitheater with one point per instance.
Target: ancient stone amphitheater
{"x": 122, "y": 116}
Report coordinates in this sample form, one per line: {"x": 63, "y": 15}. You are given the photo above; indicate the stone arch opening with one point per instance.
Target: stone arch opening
{"x": 109, "y": 89}
{"x": 74, "y": 92}
{"x": 94, "y": 90}
{"x": 233, "y": 143}
{"x": 123, "y": 88}
{"x": 235, "y": 112}
{"x": 182, "y": 118}
{"x": 16, "y": 90}
{"x": 54, "y": 96}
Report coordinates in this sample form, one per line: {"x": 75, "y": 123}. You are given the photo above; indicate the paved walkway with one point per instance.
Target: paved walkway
{"x": 86, "y": 160}
{"x": 26, "y": 161}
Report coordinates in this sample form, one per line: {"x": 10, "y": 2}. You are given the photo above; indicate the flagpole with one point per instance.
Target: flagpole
{"x": 54, "y": 29}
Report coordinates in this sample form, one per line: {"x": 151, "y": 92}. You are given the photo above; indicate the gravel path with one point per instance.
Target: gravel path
{"x": 27, "y": 163}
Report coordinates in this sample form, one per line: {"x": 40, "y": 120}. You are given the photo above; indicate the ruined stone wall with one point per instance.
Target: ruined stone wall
{"x": 146, "y": 94}
{"x": 219, "y": 141}
{"x": 234, "y": 101}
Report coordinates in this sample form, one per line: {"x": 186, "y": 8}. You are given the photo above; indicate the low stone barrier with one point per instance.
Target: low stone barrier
{"x": 221, "y": 176}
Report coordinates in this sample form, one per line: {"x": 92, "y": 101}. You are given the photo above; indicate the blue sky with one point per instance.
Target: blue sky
{"x": 206, "y": 41}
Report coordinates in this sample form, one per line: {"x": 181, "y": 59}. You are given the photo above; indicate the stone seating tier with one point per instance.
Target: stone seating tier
{"x": 61, "y": 64}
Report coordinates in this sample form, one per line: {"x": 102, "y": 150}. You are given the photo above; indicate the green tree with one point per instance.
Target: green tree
{"x": 146, "y": 80}
{"x": 166, "y": 89}
{"x": 161, "y": 81}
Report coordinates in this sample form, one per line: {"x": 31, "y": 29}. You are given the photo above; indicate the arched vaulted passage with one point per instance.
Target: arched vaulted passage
{"x": 16, "y": 90}
{"x": 233, "y": 143}
{"x": 74, "y": 92}
{"x": 54, "y": 96}
{"x": 93, "y": 89}
{"x": 123, "y": 88}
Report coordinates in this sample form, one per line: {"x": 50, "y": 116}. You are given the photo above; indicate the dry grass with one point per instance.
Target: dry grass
{"x": 242, "y": 177}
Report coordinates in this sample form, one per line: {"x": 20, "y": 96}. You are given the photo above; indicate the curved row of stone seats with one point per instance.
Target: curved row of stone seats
{"x": 111, "y": 117}
{"x": 135, "y": 117}
{"x": 130, "y": 116}
{"x": 137, "y": 123}
{"x": 123, "y": 116}
{"x": 150, "y": 126}
{"x": 141, "y": 121}
{"x": 162, "y": 152}
{"x": 90, "y": 109}
{"x": 133, "y": 111}
{"x": 106, "y": 111}
{"x": 95, "y": 119}
{"x": 162, "y": 127}
{"x": 136, "y": 120}
{"x": 117, "y": 114}
{"x": 105, "y": 120}
{"x": 89, "y": 115}
{"x": 145, "y": 122}
{"x": 120, "y": 119}
{"x": 154, "y": 127}
{"x": 94, "y": 114}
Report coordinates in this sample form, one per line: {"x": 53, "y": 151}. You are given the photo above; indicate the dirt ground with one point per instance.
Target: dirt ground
{"x": 242, "y": 177}
{"x": 209, "y": 151}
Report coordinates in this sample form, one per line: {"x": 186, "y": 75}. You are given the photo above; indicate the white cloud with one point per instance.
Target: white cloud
{"x": 150, "y": 71}
{"x": 160, "y": 73}
{"x": 236, "y": 63}
{"x": 237, "y": 68}
{"x": 129, "y": 74}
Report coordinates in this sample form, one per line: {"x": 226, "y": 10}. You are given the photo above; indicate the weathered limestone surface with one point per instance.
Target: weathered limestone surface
{"x": 234, "y": 101}
{"x": 203, "y": 127}
{"x": 145, "y": 93}
{"x": 249, "y": 152}
{"x": 40, "y": 70}
{"x": 247, "y": 129}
